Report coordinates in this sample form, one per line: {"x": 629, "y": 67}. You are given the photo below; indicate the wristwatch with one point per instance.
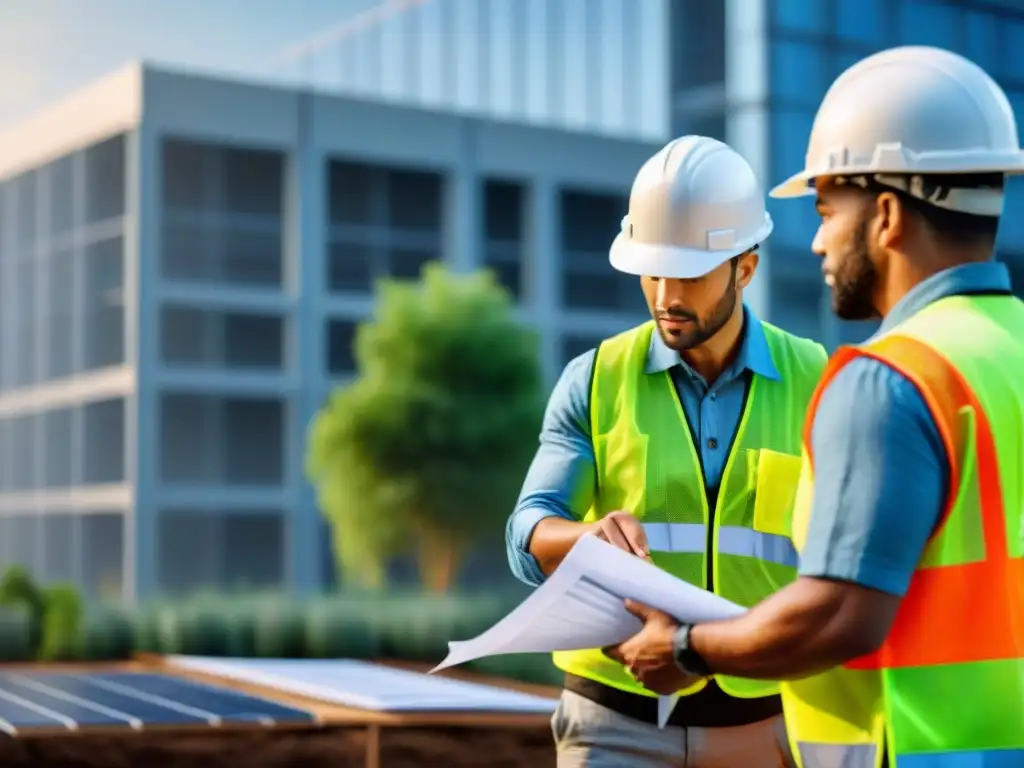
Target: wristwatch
{"x": 687, "y": 659}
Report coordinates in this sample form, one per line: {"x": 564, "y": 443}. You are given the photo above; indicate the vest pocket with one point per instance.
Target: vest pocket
{"x": 778, "y": 475}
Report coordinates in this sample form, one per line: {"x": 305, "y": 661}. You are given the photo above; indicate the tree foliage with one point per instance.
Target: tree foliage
{"x": 425, "y": 450}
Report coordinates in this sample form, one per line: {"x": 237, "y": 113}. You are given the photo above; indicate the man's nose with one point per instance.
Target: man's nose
{"x": 818, "y": 243}
{"x": 669, "y": 294}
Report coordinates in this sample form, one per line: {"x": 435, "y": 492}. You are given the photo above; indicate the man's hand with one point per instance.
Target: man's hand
{"x": 649, "y": 655}
{"x": 622, "y": 530}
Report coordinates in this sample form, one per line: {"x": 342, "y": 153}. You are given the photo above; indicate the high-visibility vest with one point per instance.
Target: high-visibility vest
{"x": 647, "y": 464}
{"x": 946, "y": 689}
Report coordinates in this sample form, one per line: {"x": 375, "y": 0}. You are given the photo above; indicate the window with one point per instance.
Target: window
{"x": 796, "y": 303}
{"x": 352, "y": 189}
{"x": 188, "y": 250}
{"x": 590, "y": 222}
{"x": 504, "y": 231}
{"x": 223, "y": 211}
{"x": 188, "y": 451}
{"x": 253, "y": 550}
{"x": 24, "y": 189}
{"x": 102, "y": 555}
{"x": 984, "y": 42}
{"x": 62, "y": 326}
{"x": 921, "y": 22}
{"x": 573, "y": 345}
{"x": 697, "y": 53}
{"x": 795, "y": 219}
{"x": 60, "y": 558}
{"x": 62, "y": 186}
{"x": 330, "y": 573}
{"x": 199, "y": 549}
{"x": 188, "y": 551}
{"x": 104, "y": 304}
{"x": 253, "y": 341}
{"x": 406, "y": 261}
{"x": 341, "y": 337}
{"x": 1011, "y": 40}
{"x": 25, "y": 324}
{"x": 861, "y": 21}
{"x": 195, "y": 337}
{"x": 103, "y": 442}
{"x": 254, "y": 441}
{"x": 186, "y": 185}
{"x": 105, "y": 180}
{"x": 384, "y": 222}
{"x": 23, "y": 547}
{"x": 6, "y": 456}
{"x": 800, "y": 73}
{"x": 224, "y": 180}
{"x": 800, "y": 16}
{"x": 25, "y": 438}
{"x": 58, "y": 441}
{"x": 414, "y": 200}
{"x": 253, "y": 181}
{"x": 213, "y": 440}
{"x": 349, "y": 266}
{"x": 250, "y": 256}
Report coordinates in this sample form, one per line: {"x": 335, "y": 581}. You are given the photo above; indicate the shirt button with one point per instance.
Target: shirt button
{"x": 712, "y": 443}
{"x": 713, "y": 395}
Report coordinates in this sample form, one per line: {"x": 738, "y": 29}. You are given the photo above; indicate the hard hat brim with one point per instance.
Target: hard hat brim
{"x": 797, "y": 185}
{"x": 674, "y": 262}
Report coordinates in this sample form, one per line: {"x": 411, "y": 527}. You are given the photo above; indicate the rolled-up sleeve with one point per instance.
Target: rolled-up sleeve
{"x": 880, "y": 479}
{"x": 561, "y": 479}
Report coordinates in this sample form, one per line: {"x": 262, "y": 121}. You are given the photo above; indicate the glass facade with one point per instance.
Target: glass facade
{"x": 62, "y": 241}
{"x": 810, "y": 43}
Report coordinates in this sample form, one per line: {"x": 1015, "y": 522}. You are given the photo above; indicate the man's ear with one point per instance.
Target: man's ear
{"x": 891, "y": 219}
{"x": 746, "y": 266}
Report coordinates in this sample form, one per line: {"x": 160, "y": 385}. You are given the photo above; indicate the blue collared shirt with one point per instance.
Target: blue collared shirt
{"x": 880, "y": 469}
{"x": 562, "y": 478}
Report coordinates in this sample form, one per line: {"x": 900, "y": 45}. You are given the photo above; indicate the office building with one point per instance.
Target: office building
{"x": 761, "y": 88}
{"x": 183, "y": 262}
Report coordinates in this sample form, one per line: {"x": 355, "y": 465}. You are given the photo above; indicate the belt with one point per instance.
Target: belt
{"x": 710, "y": 708}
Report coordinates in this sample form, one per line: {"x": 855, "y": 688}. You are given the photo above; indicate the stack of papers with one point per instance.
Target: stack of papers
{"x": 582, "y": 606}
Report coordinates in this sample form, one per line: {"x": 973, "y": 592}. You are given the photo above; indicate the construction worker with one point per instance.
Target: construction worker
{"x": 677, "y": 440}
{"x": 903, "y": 637}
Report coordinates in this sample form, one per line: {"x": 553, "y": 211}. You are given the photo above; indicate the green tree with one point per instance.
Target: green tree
{"x": 425, "y": 450}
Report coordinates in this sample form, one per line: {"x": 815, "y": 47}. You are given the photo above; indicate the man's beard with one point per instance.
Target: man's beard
{"x": 702, "y": 328}
{"x": 855, "y": 281}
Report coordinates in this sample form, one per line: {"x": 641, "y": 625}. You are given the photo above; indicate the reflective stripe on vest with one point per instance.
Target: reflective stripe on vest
{"x": 959, "y": 631}
{"x": 647, "y": 463}
{"x": 732, "y": 540}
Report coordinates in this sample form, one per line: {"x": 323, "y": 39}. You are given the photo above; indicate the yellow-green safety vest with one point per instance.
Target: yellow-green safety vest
{"x": 946, "y": 689}
{"x": 647, "y": 464}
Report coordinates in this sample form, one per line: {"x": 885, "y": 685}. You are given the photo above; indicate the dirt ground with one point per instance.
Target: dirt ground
{"x": 333, "y": 747}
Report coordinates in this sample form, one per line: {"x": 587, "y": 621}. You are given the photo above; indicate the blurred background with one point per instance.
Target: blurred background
{"x": 197, "y": 198}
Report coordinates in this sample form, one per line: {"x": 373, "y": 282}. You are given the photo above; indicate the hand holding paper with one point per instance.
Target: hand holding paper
{"x": 582, "y": 606}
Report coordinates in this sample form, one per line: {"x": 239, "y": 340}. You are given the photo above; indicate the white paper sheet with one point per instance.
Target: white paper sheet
{"x": 581, "y": 606}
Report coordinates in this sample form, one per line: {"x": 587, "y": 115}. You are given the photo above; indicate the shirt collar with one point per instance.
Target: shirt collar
{"x": 754, "y": 355}
{"x": 966, "y": 278}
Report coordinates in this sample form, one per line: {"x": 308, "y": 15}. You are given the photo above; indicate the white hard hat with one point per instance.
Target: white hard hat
{"x": 693, "y": 206}
{"x": 907, "y": 113}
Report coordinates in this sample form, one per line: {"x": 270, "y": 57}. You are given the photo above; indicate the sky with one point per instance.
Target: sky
{"x": 51, "y": 47}
{"x": 608, "y": 63}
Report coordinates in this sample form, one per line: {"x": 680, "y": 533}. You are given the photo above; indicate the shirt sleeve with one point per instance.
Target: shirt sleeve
{"x": 561, "y": 479}
{"x": 880, "y": 479}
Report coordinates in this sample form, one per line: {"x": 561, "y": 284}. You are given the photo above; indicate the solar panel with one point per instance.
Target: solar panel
{"x": 365, "y": 685}
{"x": 55, "y": 700}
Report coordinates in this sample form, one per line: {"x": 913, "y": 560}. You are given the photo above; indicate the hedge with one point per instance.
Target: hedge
{"x": 405, "y": 627}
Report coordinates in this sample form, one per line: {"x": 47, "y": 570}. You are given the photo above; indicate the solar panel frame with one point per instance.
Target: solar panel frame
{"x": 369, "y": 686}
